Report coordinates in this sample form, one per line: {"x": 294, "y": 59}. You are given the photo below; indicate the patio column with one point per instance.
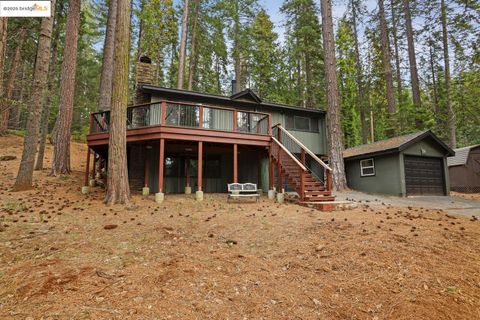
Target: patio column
{"x": 199, "y": 193}
{"x": 146, "y": 189}
{"x": 188, "y": 189}
{"x": 259, "y": 179}
{"x": 235, "y": 163}
{"x": 85, "y": 188}
{"x": 159, "y": 196}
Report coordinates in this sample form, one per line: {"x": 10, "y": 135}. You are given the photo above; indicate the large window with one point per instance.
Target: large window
{"x": 367, "y": 167}
{"x": 301, "y": 123}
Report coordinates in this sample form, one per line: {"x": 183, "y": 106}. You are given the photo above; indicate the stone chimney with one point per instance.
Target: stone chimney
{"x": 144, "y": 75}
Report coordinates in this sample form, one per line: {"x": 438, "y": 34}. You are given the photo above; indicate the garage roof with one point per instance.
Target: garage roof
{"x": 393, "y": 145}
{"x": 461, "y": 156}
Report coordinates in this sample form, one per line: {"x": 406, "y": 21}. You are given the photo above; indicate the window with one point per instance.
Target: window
{"x": 301, "y": 123}
{"x": 367, "y": 167}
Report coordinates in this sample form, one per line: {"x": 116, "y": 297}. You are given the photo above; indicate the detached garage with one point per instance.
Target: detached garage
{"x": 409, "y": 165}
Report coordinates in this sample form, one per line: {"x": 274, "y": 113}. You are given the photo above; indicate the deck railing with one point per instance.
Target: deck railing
{"x": 304, "y": 155}
{"x": 176, "y": 114}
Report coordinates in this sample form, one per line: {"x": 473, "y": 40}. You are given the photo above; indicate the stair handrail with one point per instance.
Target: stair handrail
{"x": 320, "y": 161}
{"x": 289, "y": 154}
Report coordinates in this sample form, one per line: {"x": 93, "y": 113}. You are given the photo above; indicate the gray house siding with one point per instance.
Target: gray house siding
{"x": 390, "y": 169}
{"x": 386, "y": 179}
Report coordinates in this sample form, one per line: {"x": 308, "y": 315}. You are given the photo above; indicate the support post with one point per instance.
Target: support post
{"x": 235, "y": 163}
{"x": 259, "y": 179}
{"x": 188, "y": 189}
{"x": 146, "y": 189}
{"x": 302, "y": 185}
{"x": 234, "y": 120}
{"x": 269, "y": 124}
{"x": 94, "y": 165}
{"x": 85, "y": 188}
{"x": 161, "y": 165}
{"x": 163, "y": 113}
{"x": 200, "y": 117}
{"x": 199, "y": 193}
{"x": 302, "y": 156}
{"x": 329, "y": 180}
{"x": 159, "y": 196}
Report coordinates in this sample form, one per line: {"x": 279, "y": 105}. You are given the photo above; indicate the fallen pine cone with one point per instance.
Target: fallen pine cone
{"x": 110, "y": 226}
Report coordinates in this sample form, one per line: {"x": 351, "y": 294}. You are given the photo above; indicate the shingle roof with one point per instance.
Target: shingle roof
{"x": 391, "y": 145}
{"x": 195, "y": 95}
{"x": 461, "y": 156}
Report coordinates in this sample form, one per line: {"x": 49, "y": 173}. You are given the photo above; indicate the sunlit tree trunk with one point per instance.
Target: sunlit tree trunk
{"x": 334, "y": 125}
{"x": 118, "y": 190}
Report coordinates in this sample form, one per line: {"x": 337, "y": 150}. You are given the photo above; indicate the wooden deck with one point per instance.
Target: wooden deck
{"x": 180, "y": 121}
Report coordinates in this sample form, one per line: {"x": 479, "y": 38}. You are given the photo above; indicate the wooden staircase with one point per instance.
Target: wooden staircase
{"x": 289, "y": 156}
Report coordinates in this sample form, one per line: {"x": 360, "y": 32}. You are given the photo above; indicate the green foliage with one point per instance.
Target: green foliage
{"x": 304, "y": 53}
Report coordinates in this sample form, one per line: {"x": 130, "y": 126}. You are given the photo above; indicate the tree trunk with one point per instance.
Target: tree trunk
{"x": 25, "y": 171}
{"x": 118, "y": 190}
{"x": 386, "y": 59}
{"x": 334, "y": 126}
{"x": 48, "y": 101}
{"x": 398, "y": 70}
{"x": 436, "y": 105}
{"x": 105, "y": 96}
{"x": 236, "y": 48}
{"x": 61, "y": 150}
{"x": 193, "y": 47}
{"x": 12, "y": 76}
{"x": 452, "y": 135}
{"x": 359, "y": 76}
{"x": 3, "y": 49}
{"x": 15, "y": 112}
{"x": 413, "y": 63}
{"x": 183, "y": 46}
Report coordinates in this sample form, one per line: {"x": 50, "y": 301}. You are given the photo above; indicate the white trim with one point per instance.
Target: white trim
{"x": 362, "y": 167}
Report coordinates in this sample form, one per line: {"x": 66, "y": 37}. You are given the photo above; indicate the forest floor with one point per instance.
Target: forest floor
{"x": 64, "y": 255}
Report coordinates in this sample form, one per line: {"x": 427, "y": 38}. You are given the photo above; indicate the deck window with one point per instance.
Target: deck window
{"x": 301, "y": 123}
{"x": 367, "y": 167}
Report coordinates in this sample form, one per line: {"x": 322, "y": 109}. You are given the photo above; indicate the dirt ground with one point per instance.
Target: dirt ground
{"x": 469, "y": 196}
{"x": 64, "y": 255}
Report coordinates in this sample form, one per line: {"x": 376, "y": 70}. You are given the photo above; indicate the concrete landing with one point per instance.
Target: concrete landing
{"x": 329, "y": 205}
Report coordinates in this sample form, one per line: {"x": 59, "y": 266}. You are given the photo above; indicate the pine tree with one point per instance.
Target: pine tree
{"x": 107, "y": 63}
{"x": 264, "y": 56}
{"x": 334, "y": 128}
{"x": 25, "y": 172}
{"x": 118, "y": 190}
{"x": 61, "y": 151}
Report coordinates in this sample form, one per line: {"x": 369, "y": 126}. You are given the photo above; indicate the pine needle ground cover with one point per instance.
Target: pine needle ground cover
{"x": 67, "y": 256}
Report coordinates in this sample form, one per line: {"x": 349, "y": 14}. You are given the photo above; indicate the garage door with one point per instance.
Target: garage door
{"x": 424, "y": 176}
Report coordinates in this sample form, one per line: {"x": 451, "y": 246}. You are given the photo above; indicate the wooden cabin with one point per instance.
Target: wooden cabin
{"x": 182, "y": 141}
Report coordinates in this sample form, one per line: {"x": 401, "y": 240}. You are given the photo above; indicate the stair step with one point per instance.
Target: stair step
{"x": 319, "y": 199}
{"x": 313, "y": 193}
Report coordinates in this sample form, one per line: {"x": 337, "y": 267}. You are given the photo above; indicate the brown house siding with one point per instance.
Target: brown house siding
{"x": 466, "y": 178}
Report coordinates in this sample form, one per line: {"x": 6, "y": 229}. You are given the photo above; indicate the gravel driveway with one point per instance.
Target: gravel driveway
{"x": 452, "y": 205}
